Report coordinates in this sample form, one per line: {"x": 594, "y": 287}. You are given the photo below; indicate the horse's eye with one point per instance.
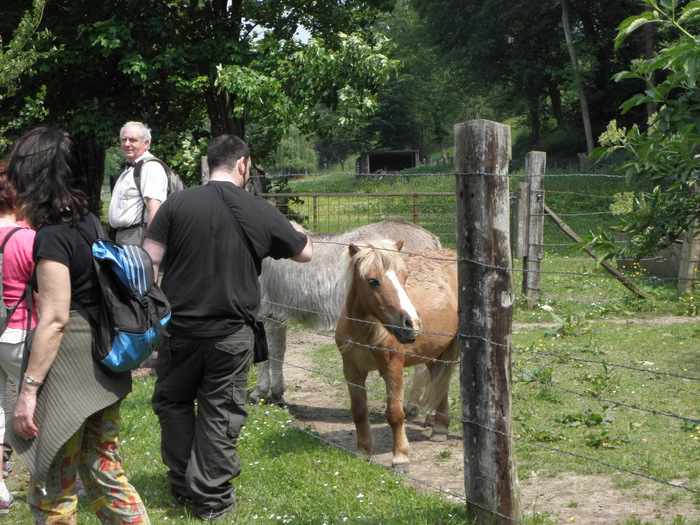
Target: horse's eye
{"x": 373, "y": 283}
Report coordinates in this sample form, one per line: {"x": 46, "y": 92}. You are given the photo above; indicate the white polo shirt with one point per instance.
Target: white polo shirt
{"x": 127, "y": 208}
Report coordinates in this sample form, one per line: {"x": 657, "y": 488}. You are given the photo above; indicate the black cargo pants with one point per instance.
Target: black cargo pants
{"x": 199, "y": 440}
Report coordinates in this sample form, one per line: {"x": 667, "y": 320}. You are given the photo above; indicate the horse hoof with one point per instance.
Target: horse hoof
{"x": 254, "y": 398}
{"x": 276, "y": 401}
{"x": 438, "y": 437}
{"x": 400, "y": 468}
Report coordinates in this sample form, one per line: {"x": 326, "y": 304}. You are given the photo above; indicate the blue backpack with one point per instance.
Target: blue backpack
{"x": 133, "y": 313}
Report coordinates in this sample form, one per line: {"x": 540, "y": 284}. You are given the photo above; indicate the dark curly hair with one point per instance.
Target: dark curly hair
{"x": 8, "y": 193}
{"x": 44, "y": 167}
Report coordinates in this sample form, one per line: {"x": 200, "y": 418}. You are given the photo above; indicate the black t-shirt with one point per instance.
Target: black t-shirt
{"x": 65, "y": 244}
{"x": 209, "y": 276}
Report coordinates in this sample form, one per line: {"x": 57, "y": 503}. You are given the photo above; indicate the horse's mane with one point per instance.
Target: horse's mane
{"x": 378, "y": 253}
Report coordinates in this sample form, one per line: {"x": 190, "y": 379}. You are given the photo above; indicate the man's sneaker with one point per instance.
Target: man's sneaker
{"x": 5, "y": 506}
{"x": 7, "y": 467}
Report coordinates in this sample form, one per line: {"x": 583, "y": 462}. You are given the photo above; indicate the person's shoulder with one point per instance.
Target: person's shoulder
{"x": 26, "y": 234}
{"x": 151, "y": 163}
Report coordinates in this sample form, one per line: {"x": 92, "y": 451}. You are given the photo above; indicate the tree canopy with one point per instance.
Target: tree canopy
{"x": 514, "y": 54}
{"x": 18, "y": 56}
{"x": 202, "y": 68}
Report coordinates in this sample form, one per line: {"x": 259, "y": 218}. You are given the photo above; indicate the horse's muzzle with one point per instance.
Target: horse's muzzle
{"x": 409, "y": 330}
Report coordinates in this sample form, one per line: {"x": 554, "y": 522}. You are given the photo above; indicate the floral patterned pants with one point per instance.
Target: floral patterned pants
{"x": 92, "y": 453}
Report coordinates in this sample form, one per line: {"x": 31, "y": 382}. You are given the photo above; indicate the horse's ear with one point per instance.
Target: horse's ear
{"x": 353, "y": 250}
{"x": 399, "y": 245}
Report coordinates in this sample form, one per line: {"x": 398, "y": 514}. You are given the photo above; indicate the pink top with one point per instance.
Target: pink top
{"x": 17, "y": 268}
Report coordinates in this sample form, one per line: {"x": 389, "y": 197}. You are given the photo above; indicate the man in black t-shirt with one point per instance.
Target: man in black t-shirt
{"x": 210, "y": 241}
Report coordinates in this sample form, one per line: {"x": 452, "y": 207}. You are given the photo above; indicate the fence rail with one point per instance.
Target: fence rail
{"x": 332, "y": 212}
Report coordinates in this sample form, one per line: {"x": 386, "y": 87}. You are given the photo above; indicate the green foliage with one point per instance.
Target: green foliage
{"x": 513, "y": 61}
{"x": 192, "y": 70}
{"x": 187, "y": 161}
{"x": 17, "y": 58}
{"x": 660, "y": 165}
{"x": 288, "y": 85}
{"x": 295, "y": 154}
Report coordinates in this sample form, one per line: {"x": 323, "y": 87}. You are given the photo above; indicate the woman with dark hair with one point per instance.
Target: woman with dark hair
{"x": 67, "y": 418}
{"x": 17, "y": 268}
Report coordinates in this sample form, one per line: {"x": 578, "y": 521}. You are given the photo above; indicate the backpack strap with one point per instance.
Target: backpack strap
{"x": 232, "y": 220}
{"x": 7, "y": 237}
{"x": 258, "y": 326}
{"x": 11, "y": 310}
{"x": 137, "y": 173}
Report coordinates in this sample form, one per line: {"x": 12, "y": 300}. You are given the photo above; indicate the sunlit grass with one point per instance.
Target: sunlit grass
{"x": 288, "y": 476}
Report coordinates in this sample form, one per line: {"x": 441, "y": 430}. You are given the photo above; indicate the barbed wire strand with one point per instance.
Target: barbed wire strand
{"x": 376, "y": 463}
{"x": 499, "y": 432}
{"x": 603, "y": 400}
{"x": 483, "y": 339}
{"x": 544, "y": 272}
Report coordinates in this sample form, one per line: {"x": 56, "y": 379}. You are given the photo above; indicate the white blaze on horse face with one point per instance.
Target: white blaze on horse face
{"x": 404, "y": 300}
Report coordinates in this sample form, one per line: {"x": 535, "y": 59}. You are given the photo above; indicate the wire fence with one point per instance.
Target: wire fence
{"x": 435, "y": 211}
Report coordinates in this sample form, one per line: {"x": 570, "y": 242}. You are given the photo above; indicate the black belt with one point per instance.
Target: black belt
{"x": 129, "y": 227}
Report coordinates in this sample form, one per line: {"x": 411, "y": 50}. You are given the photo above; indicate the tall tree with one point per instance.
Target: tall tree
{"x": 585, "y": 115}
{"x": 219, "y": 65}
{"x": 517, "y": 49}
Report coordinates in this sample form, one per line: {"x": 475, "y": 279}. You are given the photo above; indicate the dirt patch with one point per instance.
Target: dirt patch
{"x": 568, "y": 498}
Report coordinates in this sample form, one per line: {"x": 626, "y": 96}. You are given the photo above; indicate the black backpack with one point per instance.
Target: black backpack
{"x": 133, "y": 312}
{"x": 174, "y": 181}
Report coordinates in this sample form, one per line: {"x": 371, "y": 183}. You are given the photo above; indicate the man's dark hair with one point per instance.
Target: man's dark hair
{"x": 224, "y": 151}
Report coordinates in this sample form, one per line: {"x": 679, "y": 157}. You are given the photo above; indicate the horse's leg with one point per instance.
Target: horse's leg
{"x": 413, "y": 398}
{"x": 262, "y": 386}
{"x": 356, "y": 380}
{"x": 440, "y": 422}
{"x": 276, "y": 338}
{"x": 393, "y": 377}
{"x": 277, "y": 344}
{"x": 441, "y": 374}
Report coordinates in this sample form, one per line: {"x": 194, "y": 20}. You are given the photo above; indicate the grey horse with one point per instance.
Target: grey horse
{"x": 313, "y": 294}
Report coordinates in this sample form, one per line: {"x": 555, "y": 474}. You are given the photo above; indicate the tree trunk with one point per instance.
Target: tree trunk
{"x": 557, "y": 108}
{"x": 579, "y": 83}
{"x": 443, "y": 152}
{"x": 535, "y": 125}
{"x": 220, "y": 110}
{"x": 91, "y": 156}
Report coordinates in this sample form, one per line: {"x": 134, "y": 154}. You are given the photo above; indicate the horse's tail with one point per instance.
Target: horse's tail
{"x": 427, "y": 389}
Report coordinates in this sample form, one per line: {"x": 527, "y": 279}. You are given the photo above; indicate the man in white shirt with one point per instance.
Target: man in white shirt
{"x": 133, "y": 207}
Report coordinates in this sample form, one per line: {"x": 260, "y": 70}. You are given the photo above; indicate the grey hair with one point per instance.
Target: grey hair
{"x": 145, "y": 132}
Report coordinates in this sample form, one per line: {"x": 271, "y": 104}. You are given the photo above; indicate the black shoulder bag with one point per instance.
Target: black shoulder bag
{"x": 260, "y": 352}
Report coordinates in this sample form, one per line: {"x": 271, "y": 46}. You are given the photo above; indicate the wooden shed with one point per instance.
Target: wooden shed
{"x": 386, "y": 161}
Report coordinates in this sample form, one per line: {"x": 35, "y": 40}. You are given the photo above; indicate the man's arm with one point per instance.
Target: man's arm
{"x": 157, "y": 251}
{"x": 308, "y": 252}
{"x": 154, "y": 184}
{"x": 152, "y": 206}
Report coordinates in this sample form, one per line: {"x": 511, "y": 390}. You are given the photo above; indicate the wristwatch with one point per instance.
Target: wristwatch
{"x": 32, "y": 381}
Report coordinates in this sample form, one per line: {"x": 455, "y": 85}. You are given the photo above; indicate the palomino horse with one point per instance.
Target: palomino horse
{"x": 313, "y": 294}
{"x": 401, "y": 311}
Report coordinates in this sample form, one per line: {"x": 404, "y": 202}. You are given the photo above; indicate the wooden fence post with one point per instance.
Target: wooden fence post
{"x": 482, "y": 152}
{"x": 522, "y": 202}
{"x": 535, "y": 164}
{"x": 204, "y": 170}
{"x": 690, "y": 253}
